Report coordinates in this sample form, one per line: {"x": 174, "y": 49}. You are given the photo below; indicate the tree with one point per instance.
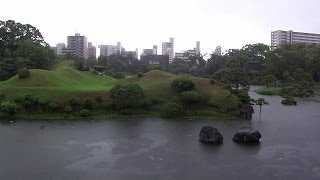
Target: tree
{"x": 236, "y": 77}
{"x": 260, "y": 102}
{"x": 183, "y": 83}
{"x": 269, "y": 79}
{"x": 127, "y": 96}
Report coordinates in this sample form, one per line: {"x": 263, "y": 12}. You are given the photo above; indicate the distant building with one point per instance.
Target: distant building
{"x": 184, "y": 55}
{"x": 92, "y": 51}
{"x": 108, "y": 50}
{"x": 168, "y": 49}
{"x": 280, "y": 37}
{"x": 147, "y": 51}
{"x": 162, "y": 60}
{"x": 218, "y": 51}
{"x": 60, "y": 47}
{"x": 155, "y": 50}
{"x": 78, "y": 46}
{"x": 54, "y": 49}
{"x": 133, "y": 54}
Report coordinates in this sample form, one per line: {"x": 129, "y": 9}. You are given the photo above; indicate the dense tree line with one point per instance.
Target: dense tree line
{"x": 22, "y": 46}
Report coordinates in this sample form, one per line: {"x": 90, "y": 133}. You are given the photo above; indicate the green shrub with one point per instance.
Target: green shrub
{"x": 126, "y": 112}
{"x": 118, "y": 75}
{"x": 68, "y": 109}
{"x": 140, "y": 74}
{"x": 95, "y": 72}
{"x": 88, "y": 103}
{"x": 52, "y": 106}
{"x": 84, "y": 113}
{"x": 99, "y": 99}
{"x": 23, "y": 73}
{"x": 100, "y": 68}
{"x": 190, "y": 97}
{"x": 2, "y": 97}
{"x": 130, "y": 95}
{"x": 182, "y": 83}
{"x": 73, "y": 101}
{"x": 8, "y": 107}
{"x": 171, "y": 110}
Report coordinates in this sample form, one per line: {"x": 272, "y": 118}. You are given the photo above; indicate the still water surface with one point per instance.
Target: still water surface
{"x": 165, "y": 149}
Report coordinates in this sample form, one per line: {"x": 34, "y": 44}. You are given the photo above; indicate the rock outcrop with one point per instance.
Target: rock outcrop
{"x": 211, "y": 135}
{"x": 247, "y": 135}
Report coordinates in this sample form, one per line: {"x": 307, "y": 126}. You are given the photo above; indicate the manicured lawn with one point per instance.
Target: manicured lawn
{"x": 269, "y": 91}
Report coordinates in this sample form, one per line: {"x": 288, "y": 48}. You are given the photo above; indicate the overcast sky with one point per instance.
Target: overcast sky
{"x": 144, "y": 23}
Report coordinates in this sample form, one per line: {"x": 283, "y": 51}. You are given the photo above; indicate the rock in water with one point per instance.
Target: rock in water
{"x": 247, "y": 135}
{"x": 210, "y": 134}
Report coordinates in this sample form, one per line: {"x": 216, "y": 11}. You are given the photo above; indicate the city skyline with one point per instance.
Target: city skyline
{"x": 141, "y": 24}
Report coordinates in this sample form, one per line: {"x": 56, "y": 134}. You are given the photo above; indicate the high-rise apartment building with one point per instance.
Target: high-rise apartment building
{"x": 168, "y": 49}
{"x": 280, "y": 37}
{"x": 78, "y": 46}
{"x": 218, "y": 51}
{"x": 108, "y": 50}
{"x": 184, "y": 55}
{"x": 92, "y": 51}
{"x": 155, "y": 49}
{"x": 60, "y": 47}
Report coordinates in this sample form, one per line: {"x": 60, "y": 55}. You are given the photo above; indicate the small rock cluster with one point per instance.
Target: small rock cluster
{"x": 246, "y": 135}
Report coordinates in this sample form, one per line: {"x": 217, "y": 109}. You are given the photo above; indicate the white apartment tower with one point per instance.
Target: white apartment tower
{"x": 218, "y": 51}
{"x": 198, "y": 47}
{"x": 168, "y": 49}
{"x": 92, "y": 51}
{"x": 78, "y": 46}
{"x": 280, "y": 37}
{"x": 60, "y": 47}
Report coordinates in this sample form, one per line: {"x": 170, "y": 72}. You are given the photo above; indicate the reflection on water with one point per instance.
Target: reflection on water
{"x": 165, "y": 149}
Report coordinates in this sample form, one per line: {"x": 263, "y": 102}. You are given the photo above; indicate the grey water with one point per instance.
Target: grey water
{"x": 152, "y": 148}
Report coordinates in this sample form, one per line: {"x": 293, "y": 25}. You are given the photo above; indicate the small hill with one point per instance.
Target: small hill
{"x": 63, "y": 80}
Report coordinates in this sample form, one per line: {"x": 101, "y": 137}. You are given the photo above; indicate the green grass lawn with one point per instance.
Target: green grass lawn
{"x": 269, "y": 91}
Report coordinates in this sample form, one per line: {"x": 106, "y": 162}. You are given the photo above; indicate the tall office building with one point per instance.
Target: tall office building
{"x": 108, "y": 50}
{"x": 198, "y": 47}
{"x": 147, "y": 51}
{"x": 218, "y": 51}
{"x": 92, "y": 51}
{"x": 155, "y": 50}
{"x": 60, "y": 47}
{"x": 280, "y": 37}
{"x": 168, "y": 49}
{"x": 78, "y": 46}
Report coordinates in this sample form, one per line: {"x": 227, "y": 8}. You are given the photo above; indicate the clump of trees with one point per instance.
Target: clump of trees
{"x": 22, "y": 46}
{"x": 183, "y": 83}
{"x": 127, "y": 96}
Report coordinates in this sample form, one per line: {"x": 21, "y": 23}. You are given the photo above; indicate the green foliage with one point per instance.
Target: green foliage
{"x": 88, "y": 103}
{"x": 100, "y": 68}
{"x": 8, "y": 107}
{"x": 53, "y": 106}
{"x": 140, "y": 74}
{"x": 243, "y": 96}
{"x": 130, "y": 95}
{"x": 99, "y": 99}
{"x": 296, "y": 90}
{"x": 289, "y": 101}
{"x": 68, "y": 109}
{"x": 23, "y": 73}
{"x": 73, "y": 101}
{"x": 95, "y": 72}
{"x": 171, "y": 110}
{"x": 192, "y": 97}
{"x": 118, "y": 75}
{"x": 269, "y": 79}
{"x": 183, "y": 83}
{"x": 84, "y": 113}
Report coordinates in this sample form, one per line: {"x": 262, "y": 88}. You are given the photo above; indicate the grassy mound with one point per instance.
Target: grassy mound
{"x": 272, "y": 91}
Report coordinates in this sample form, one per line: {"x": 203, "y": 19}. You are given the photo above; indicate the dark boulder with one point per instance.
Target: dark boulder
{"x": 247, "y": 111}
{"x": 247, "y": 135}
{"x": 289, "y": 101}
{"x": 210, "y": 134}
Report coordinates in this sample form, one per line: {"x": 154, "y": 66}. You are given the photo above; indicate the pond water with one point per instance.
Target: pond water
{"x": 154, "y": 148}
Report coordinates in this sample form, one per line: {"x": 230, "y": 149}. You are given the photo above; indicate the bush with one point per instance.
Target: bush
{"x": 190, "y": 97}
{"x": 73, "y": 101}
{"x": 100, "y": 68}
{"x": 99, "y": 99}
{"x": 212, "y": 81}
{"x": 8, "y": 107}
{"x": 118, "y": 75}
{"x": 88, "y": 103}
{"x": 2, "y": 97}
{"x": 23, "y": 73}
{"x": 95, "y": 72}
{"x": 53, "y": 106}
{"x": 84, "y": 113}
{"x": 130, "y": 95}
{"x": 171, "y": 110}
{"x": 182, "y": 83}
{"x": 140, "y": 74}
{"x": 68, "y": 109}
